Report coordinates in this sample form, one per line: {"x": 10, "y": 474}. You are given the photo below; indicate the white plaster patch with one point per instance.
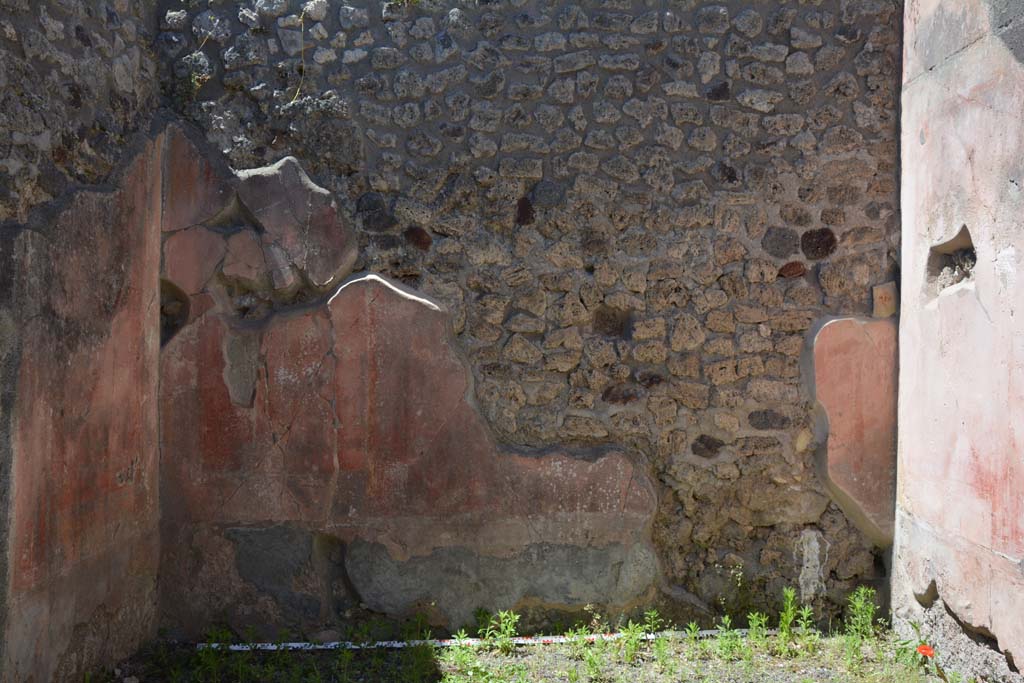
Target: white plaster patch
{"x": 812, "y": 551}
{"x": 1006, "y": 268}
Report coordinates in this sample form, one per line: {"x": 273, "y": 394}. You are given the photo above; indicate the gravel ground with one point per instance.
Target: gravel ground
{"x": 669, "y": 661}
{"x": 681, "y": 662}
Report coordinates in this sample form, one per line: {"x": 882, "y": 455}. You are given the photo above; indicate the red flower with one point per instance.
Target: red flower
{"x": 926, "y": 650}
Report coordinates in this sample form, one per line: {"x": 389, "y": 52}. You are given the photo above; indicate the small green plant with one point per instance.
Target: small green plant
{"x": 343, "y": 665}
{"x": 860, "y": 617}
{"x": 905, "y": 651}
{"x": 594, "y": 660}
{"x": 859, "y": 627}
{"x": 280, "y": 659}
{"x": 363, "y": 634}
{"x": 663, "y": 656}
{"x": 787, "y": 615}
{"x": 653, "y": 621}
{"x": 577, "y": 642}
{"x": 809, "y": 636}
{"x": 482, "y": 618}
{"x": 693, "y": 633}
{"x": 464, "y": 660}
{"x": 631, "y": 641}
{"x": 597, "y": 623}
{"x": 758, "y": 629}
{"x": 917, "y": 654}
{"x": 737, "y": 598}
{"x": 500, "y": 631}
{"x": 302, "y": 54}
{"x": 419, "y": 655}
{"x": 729, "y": 643}
{"x": 212, "y": 661}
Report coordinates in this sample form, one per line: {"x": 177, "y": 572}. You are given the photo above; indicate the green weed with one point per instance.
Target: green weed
{"x": 859, "y": 627}
{"x": 578, "y": 642}
{"x": 693, "y": 633}
{"x": 809, "y": 636}
{"x": 499, "y": 632}
{"x": 595, "y": 659}
{"x": 758, "y": 629}
{"x": 464, "y": 660}
{"x": 653, "y": 621}
{"x": 729, "y": 643}
{"x": 860, "y": 617}
{"x": 787, "y": 615}
{"x": 211, "y": 665}
{"x": 663, "y": 656}
{"x": 631, "y": 641}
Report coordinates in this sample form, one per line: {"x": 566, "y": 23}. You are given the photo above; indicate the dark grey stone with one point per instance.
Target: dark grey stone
{"x": 705, "y": 446}
{"x": 459, "y": 581}
{"x": 818, "y": 244}
{"x": 768, "y": 419}
{"x": 780, "y": 242}
{"x": 373, "y": 213}
{"x": 546, "y": 194}
{"x": 271, "y": 559}
{"x": 713, "y": 19}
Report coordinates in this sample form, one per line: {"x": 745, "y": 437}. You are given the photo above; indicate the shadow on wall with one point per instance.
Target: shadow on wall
{"x": 952, "y": 26}
{"x": 1007, "y": 23}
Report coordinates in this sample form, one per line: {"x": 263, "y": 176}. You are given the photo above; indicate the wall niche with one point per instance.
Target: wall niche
{"x": 951, "y": 262}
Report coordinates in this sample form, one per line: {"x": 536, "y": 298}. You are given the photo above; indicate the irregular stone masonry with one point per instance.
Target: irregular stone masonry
{"x": 634, "y": 211}
{"x": 77, "y": 78}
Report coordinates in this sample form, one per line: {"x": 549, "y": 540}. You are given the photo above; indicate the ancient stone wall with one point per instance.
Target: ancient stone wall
{"x": 960, "y": 513}
{"x": 77, "y": 78}
{"x": 634, "y": 212}
{"x": 322, "y": 457}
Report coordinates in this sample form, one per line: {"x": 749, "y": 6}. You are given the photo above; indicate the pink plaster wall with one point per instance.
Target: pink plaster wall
{"x": 855, "y": 375}
{"x": 960, "y": 501}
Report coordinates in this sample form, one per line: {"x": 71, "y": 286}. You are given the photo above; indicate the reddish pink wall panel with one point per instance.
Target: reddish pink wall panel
{"x": 84, "y": 538}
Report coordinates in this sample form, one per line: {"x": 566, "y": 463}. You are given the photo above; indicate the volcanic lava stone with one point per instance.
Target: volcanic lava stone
{"x": 707, "y": 446}
{"x": 818, "y": 244}
{"x": 418, "y": 237}
{"x": 768, "y": 419}
{"x": 720, "y": 92}
{"x": 612, "y": 322}
{"x": 373, "y": 211}
{"x": 621, "y": 394}
{"x": 524, "y": 211}
{"x": 780, "y": 242}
